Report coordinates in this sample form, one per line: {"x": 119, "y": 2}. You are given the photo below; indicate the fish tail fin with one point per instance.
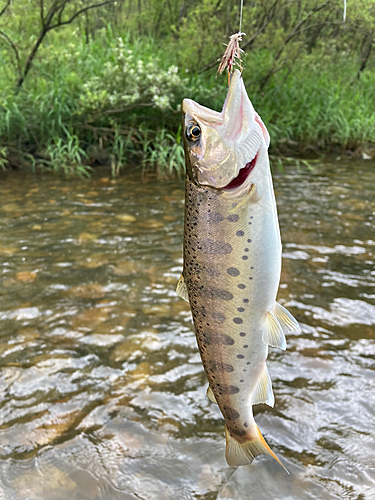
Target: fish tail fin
{"x": 244, "y": 453}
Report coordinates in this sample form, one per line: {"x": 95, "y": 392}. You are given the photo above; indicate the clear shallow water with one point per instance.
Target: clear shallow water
{"x": 102, "y": 389}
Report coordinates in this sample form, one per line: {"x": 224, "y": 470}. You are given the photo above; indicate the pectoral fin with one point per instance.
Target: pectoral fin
{"x": 181, "y": 289}
{"x": 273, "y": 333}
{"x": 211, "y": 395}
{"x": 287, "y": 322}
{"x": 263, "y": 392}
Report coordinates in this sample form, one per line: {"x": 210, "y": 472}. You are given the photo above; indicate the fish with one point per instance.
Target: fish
{"x": 232, "y": 262}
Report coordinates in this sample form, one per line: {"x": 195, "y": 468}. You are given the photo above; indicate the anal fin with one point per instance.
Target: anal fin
{"x": 287, "y": 322}
{"x": 273, "y": 333}
{"x": 181, "y": 289}
{"x": 263, "y": 392}
{"x": 211, "y": 395}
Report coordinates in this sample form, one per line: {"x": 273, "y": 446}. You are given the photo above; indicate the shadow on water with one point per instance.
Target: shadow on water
{"x": 103, "y": 392}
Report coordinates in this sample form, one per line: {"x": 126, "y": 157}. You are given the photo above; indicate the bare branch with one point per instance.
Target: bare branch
{"x": 266, "y": 22}
{"x": 302, "y": 21}
{"x": 14, "y": 48}
{"x": 297, "y": 29}
{"x": 42, "y": 11}
{"x": 5, "y": 7}
{"x": 78, "y": 13}
{"x": 62, "y": 8}
{"x": 57, "y": 7}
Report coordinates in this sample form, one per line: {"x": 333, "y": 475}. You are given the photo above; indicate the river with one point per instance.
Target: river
{"x": 102, "y": 388}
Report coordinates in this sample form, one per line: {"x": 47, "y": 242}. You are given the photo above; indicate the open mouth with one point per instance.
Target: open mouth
{"x": 243, "y": 174}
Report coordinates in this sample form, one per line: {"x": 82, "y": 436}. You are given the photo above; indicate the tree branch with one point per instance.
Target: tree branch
{"x": 11, "y": 43}
{"x": 85, "y": 9}
{"x": 5, "y": 7}
{"x": 56, "y": 8}
{"x": 62, "y": 8}
{"x": 42, "y": 11}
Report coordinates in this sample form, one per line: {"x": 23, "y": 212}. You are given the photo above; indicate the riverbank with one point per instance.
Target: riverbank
{"x": 116, "y": 102}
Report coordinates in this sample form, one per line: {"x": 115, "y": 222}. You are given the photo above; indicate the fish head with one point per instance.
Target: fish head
{"x": 221, "y": 148}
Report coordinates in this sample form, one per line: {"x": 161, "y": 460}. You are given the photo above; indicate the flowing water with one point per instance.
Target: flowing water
{"x": 102, "y": 388}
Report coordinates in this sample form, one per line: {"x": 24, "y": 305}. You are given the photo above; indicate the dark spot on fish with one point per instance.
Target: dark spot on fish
{"x": 238, "y": 432}
{"x": 240, "y": 309}
{"x": 233, "y": 218}
{"x": 245, "y": 257}
{"x": 246, "y": 301}
{"x": 249, "y": 241}
{"x": 221, "y": 367}
{"x": 229, "y": 389}
{"x": 240, "y": 233}
{"x": 214, "y": 218}
{"x": 248, "y": 363}
{"x": 245, "y": 424}
{"x": 240, "y": 356}
{"x": 246, "y": 249}
{"x": 216, "y": 247}
{"x": 217, "y": 293}
{"x": 241, "y": 380}
{"x": 238, "y": 321}
{"x": 230, "y": 413}
{"x": 233, "y": 271}
{"x": 218, "y": 339}
{"x": 218, "y": 316}
{"x": 246, "y": 346}
{"x": 242, "y": 334}
{"x": 241, "y": 286}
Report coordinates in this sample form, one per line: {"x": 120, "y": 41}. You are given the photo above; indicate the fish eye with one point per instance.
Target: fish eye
{"x": 193, "y": 132}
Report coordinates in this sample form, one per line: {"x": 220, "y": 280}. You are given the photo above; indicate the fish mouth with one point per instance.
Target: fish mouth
{"x": 243, "y": 174}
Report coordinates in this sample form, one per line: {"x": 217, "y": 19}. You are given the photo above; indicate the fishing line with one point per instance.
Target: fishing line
{"x": 241, "y": 9}
{"x": 232, "y": 54}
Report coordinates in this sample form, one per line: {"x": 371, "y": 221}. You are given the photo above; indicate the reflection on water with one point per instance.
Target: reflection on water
{"x": 102, "y": 389}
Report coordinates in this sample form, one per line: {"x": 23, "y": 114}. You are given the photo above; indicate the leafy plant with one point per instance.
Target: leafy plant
{"x": 3, "y": 158}
{"x": 65, "y": 156}
{"x": 165, "y": 154}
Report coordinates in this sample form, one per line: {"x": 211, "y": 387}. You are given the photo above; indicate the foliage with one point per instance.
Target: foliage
{"x": 128, "y": 82}
{"x": 3, "y": 158}
{"x": 65, "y": 156}
{"x": 165, "y": 153}
{"x": 112, "y": 77}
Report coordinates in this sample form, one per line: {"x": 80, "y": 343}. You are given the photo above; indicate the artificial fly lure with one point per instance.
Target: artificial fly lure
{"x": 232, "y": 54}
